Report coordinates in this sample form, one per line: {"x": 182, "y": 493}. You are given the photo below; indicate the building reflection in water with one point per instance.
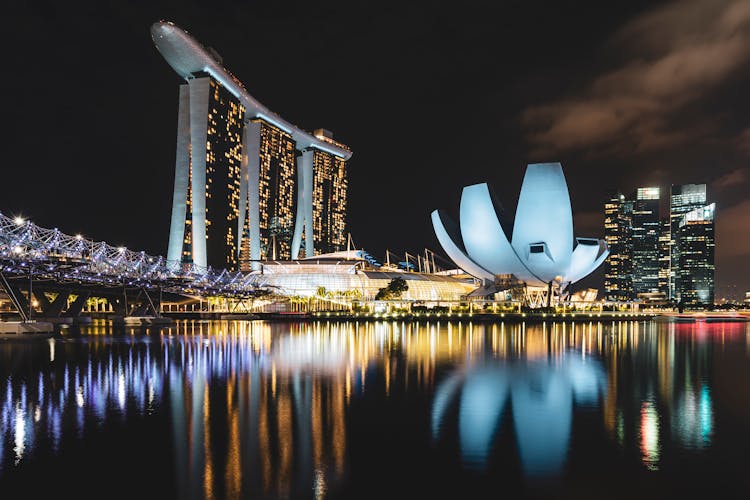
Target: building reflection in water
{"x": 647, "y": 381}
{"x": 544, "y": 370}
{"x": 275, "y": 425}
{"x": 59, "y": 397}
{"x": 262, "y": 409}
{"x": 649, "y": 435}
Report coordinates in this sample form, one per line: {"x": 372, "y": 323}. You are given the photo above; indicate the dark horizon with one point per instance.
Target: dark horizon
{"x": 429, "y": 97}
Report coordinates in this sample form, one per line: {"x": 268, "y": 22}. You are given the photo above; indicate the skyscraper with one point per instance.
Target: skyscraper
{"x": 695, "y": 244}
{"x": 272, "y": 153}
{"x": 248, "y": 184}
{"x": 646, "y": 228}
{"x": 207, "y": 174}
{"x": 665, "y": 249}
{"x": 683, "y": 199}
{"x": 660, "y": 258}
{"x": 330, "y": 186}
{"x": 618, "y": 269}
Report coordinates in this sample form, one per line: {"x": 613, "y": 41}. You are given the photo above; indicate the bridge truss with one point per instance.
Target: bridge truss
{"x": 27, "y": 250}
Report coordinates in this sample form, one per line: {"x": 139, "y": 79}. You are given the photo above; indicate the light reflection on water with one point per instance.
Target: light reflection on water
{"x": 264, "y": 409}
{"x": 541, "y": 392}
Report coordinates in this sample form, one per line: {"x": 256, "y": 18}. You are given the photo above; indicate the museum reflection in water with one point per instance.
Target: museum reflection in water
{"x": 257, "y": 406}
{"x": 550, "y": 370}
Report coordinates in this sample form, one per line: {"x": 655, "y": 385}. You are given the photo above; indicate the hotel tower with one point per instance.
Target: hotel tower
{"x": 249, "y": 186}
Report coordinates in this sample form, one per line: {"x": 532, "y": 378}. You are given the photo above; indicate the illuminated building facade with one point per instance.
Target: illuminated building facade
{"x": 695, "y": 244}
{"x": 207, "y": 174}
{"x": 665, "y": 255}
{"x": 349, "y": 275}
{"x": 542, "y": 253}
{"x": 683, "y": 199}
{"x": 645, "y": 235}
{"x": 618, "y": 269}
{"x": 330, "y": 187}
{"x": 249, "y": 185}
{"x": 276, "y": 189}
{"x": 645, "y": 251}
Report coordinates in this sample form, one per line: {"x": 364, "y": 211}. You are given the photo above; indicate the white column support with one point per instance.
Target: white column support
{"x": 299, "y": 221}
{"x": 251, "y": 144}
{"x": 304, "y": 219}
{"x": 181, "y": 178}
{"x": 199, "y": 92}
{"x": 243, "y": 192}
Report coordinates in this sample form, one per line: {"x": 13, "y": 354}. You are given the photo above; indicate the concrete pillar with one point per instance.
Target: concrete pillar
{"x": 199, "y": 93}
{"x": 181, "y": 178}
{"x": 44, "y": 303}
{"x": 251, "y": 146}
{"x": 54, "y": 308}
{"x": 304, "y": 219}
{"x": 75, "y": 307}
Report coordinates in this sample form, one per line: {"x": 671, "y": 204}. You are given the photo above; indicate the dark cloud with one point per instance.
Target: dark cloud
{"x": 733, "y": 228}
{"x": 730, "y": 179}
{"x": 675, "y": 55}
{"x": 743, "y": 141}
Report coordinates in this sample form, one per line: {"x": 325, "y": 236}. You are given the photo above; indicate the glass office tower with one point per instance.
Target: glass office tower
{"x": 618, "y": 269}
{"x": 646, "y": 227}
{"x": 695, "y": 265}
{"x": 684, "y": 198}
{"x": 668, "y": 258}
{"x": 665, "y": 256}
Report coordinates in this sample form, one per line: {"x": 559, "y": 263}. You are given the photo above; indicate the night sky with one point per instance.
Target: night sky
{"x": 431, "y": 96}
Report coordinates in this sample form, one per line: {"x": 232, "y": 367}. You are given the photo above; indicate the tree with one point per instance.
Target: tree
{"x": 396, "y": 287}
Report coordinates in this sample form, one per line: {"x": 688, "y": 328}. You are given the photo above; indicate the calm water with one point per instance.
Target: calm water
{"x": 399, "y": 410}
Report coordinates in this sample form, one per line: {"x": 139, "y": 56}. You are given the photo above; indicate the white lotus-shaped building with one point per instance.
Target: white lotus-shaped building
{"x": 542, "y": 251}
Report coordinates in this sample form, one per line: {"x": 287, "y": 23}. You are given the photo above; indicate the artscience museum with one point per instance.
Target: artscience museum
{"x": 541, "y": 259}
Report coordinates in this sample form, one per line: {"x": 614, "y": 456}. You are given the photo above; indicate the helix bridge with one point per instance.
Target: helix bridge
{"x": 35, "y": 255}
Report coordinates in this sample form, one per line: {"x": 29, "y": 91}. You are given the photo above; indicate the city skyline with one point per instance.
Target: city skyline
{"x": 661, "y": 255}
{"x": 375, "y": 249}
{"x": 639, "y": 122}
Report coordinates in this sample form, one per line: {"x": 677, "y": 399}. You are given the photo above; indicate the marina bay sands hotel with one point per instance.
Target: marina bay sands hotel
{"x": 249, "y": 186}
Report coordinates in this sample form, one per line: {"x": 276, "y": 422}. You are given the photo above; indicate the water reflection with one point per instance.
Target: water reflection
{"x": 264, "y": 409}
{"x": 256, "y": 413}
{"x": 693, "y": 421}
{"x": 539, "y": 386}
{"x": 62, "y": 397}
{"x": 546, "y": 372}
